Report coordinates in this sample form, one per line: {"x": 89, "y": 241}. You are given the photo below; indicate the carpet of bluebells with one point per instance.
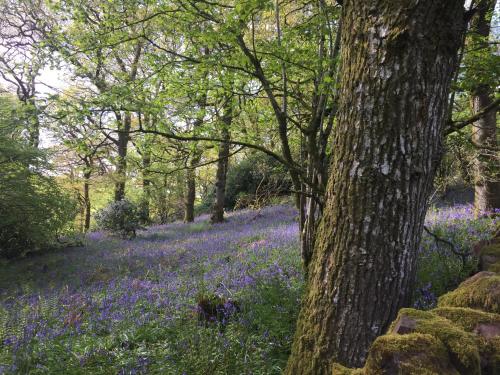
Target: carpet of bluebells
{"x": 131, "y": 307}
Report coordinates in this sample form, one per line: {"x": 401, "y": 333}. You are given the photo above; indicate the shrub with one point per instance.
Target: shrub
{"x": 120, "y": 218}
{"x": 37, "y": 212}
{"x": 255, "y": 180}
{"x": 34, "y": 210}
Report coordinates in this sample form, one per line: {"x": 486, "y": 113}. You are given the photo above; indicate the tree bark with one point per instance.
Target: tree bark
{"x": 33, "y": 123}
{"x": 484, "y": 135}
{"x": 122, "y": 146}
{"x": 484, "y": 131}
{"x": 397, "y": 64}
{"x": 124, "y": 126}
{"x": 222, "y": 166}
{"x": 190, "y": 196}
{"x": 145, "y": 151}
{"x": 86, "y": 200}
{"x": 316, "y": 138}
{"x": 312, "y": 204}
{"x": 162, "y": 201}
{"x": 146, "y": 185}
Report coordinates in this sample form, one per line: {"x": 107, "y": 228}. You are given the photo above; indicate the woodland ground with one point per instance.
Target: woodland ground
{"x": 131, "y": 307}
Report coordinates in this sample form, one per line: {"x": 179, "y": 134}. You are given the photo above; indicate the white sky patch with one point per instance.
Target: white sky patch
{"x": 52, "y": 81}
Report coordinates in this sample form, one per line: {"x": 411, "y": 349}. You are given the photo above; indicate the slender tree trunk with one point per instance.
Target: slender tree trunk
{"x": 124, "y": 126}
{"x": 122, "y": 146}
{"x": 487, "y": 178}
{"x": 220, "y": 183}
{"x": 397, "y": 64}
{"x": 484, "y": 131}
{"x": 146, "y": 183}
{"x": 190, "y": 196}
{"x": 33, "y": 123}
{"x": 162, "y": 202}
{"x": 312, "y": 207}
{"x": 145, "y": 152}
{"x": 317, "y": 136}
{"x": 86, "y": 200}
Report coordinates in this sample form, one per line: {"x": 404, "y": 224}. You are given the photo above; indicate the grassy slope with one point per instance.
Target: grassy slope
{"x": 130, "y": 306}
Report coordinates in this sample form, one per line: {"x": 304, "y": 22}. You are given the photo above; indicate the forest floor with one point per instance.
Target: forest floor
{"x": 184, "y": 298}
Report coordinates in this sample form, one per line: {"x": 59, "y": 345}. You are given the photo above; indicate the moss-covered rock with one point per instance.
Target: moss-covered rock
{"x": 338, "y": 369}
{"x": 466, "y": 318}
{"x": 461, "y": 345}
{"x": 481, "y": 291}
{"x": 490, "y": 257}
{"x": 414, "y": 353}
{"x": 476, "y": 321}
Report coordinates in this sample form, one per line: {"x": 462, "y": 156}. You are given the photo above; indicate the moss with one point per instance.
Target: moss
{"x": 495, "y": 267}
{"x": 490, "y": 257}
{"x": 490, "y": 353}
{"x": 466, "y": 318}
{"x": 338, "y": 369}
{"x": 462, "y": 346}
{"x": 414, "y": 353}
{"x": 469, "y": 319}
{"x": 482, "y": 291}
{"x": 492, "y": 249}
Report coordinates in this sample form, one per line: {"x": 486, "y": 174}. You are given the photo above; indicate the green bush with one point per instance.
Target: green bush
{"x": 122, "y": 218}
{"x": 258, "y": 177}
{"x": 34, "y": 210}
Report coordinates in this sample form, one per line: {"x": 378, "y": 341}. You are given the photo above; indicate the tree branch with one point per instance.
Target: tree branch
{"x": 458, "y": 125}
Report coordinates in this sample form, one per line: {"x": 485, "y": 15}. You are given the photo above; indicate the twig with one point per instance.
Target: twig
{"x": 463, "y": 255}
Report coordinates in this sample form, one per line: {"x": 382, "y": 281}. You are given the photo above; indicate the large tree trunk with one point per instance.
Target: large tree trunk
{"x": 222, "y": 165}
{"x": 397, "y": 64}
{"x": 484, "y": 131}
{"x": 122, "y": 146}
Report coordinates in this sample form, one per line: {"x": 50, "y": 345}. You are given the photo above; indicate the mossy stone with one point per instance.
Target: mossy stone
{"x": 491, "y": 249}
{"x": 481, "y": 291}
{"x": 490, "y": 257}
{"x": 338, "y": 369}
{"x": 470, "y": 320}
{"x": 462, "y": 346}
{"x": 466, "y": 318}
{"x": 495, "y": 267}
{"x": 414, "y": 353}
